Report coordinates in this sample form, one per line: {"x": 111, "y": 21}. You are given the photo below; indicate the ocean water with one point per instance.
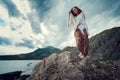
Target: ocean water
{"x": 17, "y": 65}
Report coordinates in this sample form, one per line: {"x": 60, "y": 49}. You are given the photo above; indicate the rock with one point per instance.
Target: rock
{"x": 23, "y": 77}
{"x": 10, "y": 75}
{"x": 68, "y": 66}
{"x": 16, "y": 75}
{"x": 71, "y": 49}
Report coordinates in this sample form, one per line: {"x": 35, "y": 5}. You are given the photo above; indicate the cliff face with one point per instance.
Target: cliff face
{"x": 68, "y": 66}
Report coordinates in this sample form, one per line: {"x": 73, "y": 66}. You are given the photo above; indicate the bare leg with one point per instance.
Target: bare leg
{"x": 86, "y": 45}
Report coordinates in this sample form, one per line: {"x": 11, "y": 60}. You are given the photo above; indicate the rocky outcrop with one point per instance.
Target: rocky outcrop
{"x": 68, "y": 66}
{"x": 106, "y": 45}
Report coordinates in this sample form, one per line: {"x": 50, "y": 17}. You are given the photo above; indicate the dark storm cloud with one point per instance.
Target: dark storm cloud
{"x": 26, "y": 43}
{"x": 11, "y": 7}
{"x": 5, "y": 41}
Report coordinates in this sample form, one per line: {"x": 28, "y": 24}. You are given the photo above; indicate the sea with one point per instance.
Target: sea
{"x": 26, "y": 66}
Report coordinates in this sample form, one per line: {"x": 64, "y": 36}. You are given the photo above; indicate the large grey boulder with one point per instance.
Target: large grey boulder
{"x": 68, "y": 66}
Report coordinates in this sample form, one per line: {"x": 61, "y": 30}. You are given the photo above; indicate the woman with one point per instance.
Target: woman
{"x": 77, "y": 20}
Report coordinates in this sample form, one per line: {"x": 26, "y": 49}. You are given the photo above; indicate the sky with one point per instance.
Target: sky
{"x": 26, "y": 25}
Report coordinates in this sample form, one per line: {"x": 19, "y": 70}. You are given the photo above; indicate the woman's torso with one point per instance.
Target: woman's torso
{"x": 80, "y": 19}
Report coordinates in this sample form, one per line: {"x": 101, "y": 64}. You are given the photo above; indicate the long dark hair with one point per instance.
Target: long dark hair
{"x": 79, "y": 11}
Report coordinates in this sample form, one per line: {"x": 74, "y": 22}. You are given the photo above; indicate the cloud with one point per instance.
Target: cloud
{"x": 11, "y": 50}
{"x": 34, "y": 21}
{"x": 104, "y": 20}
{"x": 2, "y": 23}
{"x": 5, "y": 41}
{"x": 23, "y": 6}
{"x": 25, "y": 43}
{"x": 30, "y": 14}
{"x": 12, "y": 10}
{"x": 42, "y": 7}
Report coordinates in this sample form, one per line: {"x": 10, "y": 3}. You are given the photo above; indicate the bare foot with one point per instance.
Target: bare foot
{"x": 81, "y": 56}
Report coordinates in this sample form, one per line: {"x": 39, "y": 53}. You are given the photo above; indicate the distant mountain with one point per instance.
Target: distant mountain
{"x": 43, "y": 52}
{"x": 105, "y": 45}
{"x": 37, "y": 54}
